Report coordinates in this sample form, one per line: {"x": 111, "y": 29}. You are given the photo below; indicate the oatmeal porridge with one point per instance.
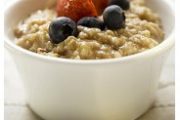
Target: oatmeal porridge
{"x": 142, "y": 31}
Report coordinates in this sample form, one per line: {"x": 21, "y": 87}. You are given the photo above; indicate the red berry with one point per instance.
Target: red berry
{"x": 76, "y": 9}
{"x": 100, "y": 5}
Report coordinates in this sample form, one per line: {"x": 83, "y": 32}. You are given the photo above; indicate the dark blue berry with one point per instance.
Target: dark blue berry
{"x": 124, "y": 4}
{"x": 61, "y": 28}
{"x": 114, "y": 17}
{"x": 91, "y": 22}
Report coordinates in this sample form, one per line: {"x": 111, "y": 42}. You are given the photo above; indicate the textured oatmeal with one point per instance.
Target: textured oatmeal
{"x": 142, "y": 32}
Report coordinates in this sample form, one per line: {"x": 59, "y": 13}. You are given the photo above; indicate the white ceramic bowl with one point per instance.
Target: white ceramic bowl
{"x": 113, "y": 89}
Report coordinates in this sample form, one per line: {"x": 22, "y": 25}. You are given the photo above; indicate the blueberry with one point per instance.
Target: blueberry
{"x": 114, "y": 17}
{"x": 91, "y": 22}
{"x": 124, "y": 4}
{"x": 61, "y": 28}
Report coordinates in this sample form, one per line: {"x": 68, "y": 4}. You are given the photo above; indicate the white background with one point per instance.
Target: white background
{"x": 1, "y": 62}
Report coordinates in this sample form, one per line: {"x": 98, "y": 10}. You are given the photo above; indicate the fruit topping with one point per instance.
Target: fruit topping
{"x": 100, "y": 5}
{"x": 124, "y": 4}
{"x": 76, "y": 9}
{"x": 114, "y": 17}
{"x": 91, "y": 22}
{"x": 61, "y": 28}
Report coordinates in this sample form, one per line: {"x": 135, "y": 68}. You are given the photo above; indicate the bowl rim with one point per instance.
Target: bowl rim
{"x": 164, "y": 46}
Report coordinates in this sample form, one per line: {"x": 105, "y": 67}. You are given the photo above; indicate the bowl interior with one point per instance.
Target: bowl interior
{"x": 164, "y": 9}
{"x": 20, "y": 9}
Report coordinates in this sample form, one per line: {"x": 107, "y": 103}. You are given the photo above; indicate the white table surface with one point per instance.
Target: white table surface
{"x": 16, "y": 107}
